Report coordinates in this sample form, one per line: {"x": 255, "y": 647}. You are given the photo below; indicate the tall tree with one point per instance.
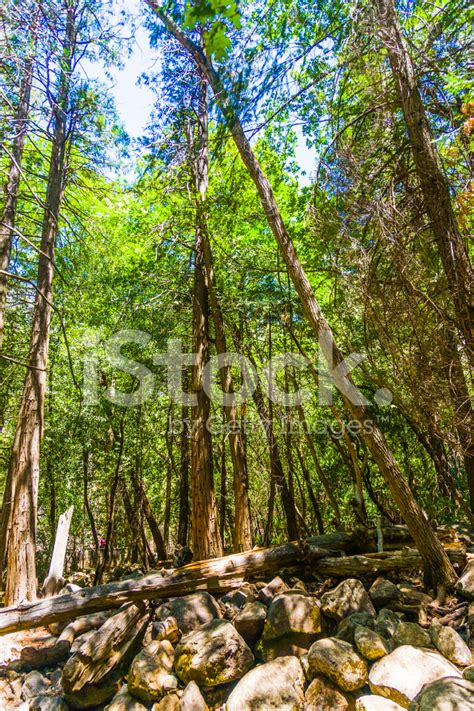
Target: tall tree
{"x": 204, "y": 518}
{"x": 438, "y": 569}
{"x": 23, "y": 473}
{"x": 433, "y": 182}
{"x": 20, "y": 126}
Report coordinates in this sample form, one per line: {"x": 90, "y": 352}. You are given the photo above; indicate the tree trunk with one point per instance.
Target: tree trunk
{"x": 24, "y": 462}
{"x": 183, "y": 519}
{"x": 311, "y": 494}
{"x": 433, "y": 183}
{"x": 20, "y": 125}
{"x": 204, "y": 519}
{"x": 438, "y": 568}
{"x": 104, "y": 559}
{"x": 242, "y": 533}
{"x": 87, "y": 506}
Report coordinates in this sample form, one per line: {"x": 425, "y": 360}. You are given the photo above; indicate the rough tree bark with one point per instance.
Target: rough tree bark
{"x": 20, "y": 125}
{"x": 204, "y": 519}
{"x": 433, "y": 182}
{"x": 24, "y": 461}
{"x": 437, "y": 566}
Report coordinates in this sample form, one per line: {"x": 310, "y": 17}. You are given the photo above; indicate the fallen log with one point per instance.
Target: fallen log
{"x": 217, "y": 575}
{"x": 406, "y": 559}
{"x": 105, "y": 649}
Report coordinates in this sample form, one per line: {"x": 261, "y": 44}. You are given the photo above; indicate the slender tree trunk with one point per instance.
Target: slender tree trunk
{"x": 319, "y": 470}
{"x": 204, "y": 520}
{"x": 149, "y": 515}
{"x": 101, "y": 567}
{"x": 24, "y": 461}
{"x": 433, "y": 183}
{"x": 310, "y": 490}
{"x": 87, "y": 506}
{"x": 242, "y": 535}
{"x": 8, "y": 218}
{"x": 183, "y": 519}
{"x": 438, "y": 568}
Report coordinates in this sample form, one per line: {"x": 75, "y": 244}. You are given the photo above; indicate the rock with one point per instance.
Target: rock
{"x": 409, "y": 633}
{"x": 192, "y": 699}
{"x": 349, "y": 596}
{"x": 468, "y": 673}
{"x": 275, "y": 685}
{"x": 383, "y": 592}
{"x": 465, "y": 584}
{"x": 338, "y": 661}
{"x": 413, "y": 596}
{"x": 215, "y": 654}
{"x": 322, "y": 695}
{"x": 294, "y": 613}
{"x": 49, "y": 703}
{"x": 347, "y": 626}
{"x": 190, "y": 611}
{"x": 235, "y": 599}
{"x": 370, "y": 644}
{"x": 124, "y": 701}
{"x": 445, "y": 695}
{"x": 450, "y": 644}
{"x": 170, "y": 702}
{"x": 274, "y": 587}
{"x": 150, "y": 676}
{"x": 34, "y": 684}
{"x": 401, "y": 675}
{"x": 92, "y": 696}
{"x": 291, "y": 645}
{"x": 376, "y": 703}
{"x": 387, "y": 622}
{"x": 250, "y": 621}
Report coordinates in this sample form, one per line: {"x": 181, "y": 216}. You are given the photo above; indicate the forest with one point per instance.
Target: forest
{"x": 236, "y": 346}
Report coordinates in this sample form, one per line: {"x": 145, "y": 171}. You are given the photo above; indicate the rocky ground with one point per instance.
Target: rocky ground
{"x": 373, "y": 645}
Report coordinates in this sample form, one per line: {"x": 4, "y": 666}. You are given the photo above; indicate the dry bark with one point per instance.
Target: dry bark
{"x": 106, "y": 648}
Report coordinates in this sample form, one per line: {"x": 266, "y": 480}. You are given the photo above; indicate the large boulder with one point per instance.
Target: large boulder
{"x": 465, "y": 584}
{"x": 192, "y": 699}
{"x": 190, "y": 611}
{"x": 292, "y": 613}
{"x": 450, "y": 644}
{"x": 124, "y": 701}
{"x": 34, "y": 684}
{"x": 387, "y": 623}
{"x": 347, "y": 626}
{"x": 274, "y": 587}
{"x": 412, "y": 634}
{"x": 370, "y": 702}
{"x": 212, "y": 655}
{"x": 275, "y": 685}
{"x": 383, "y": 592}
{"x": 445, "y": 695}
{"x": 250, "y": 620}
{"x": 402, "y": 674}
{"x": 338, "y": 661}
{"x": 370, "y": 644}
{"x": 150, "y": 676}
{"x": 323, "y": 695}
{"x": 348, "y": 597}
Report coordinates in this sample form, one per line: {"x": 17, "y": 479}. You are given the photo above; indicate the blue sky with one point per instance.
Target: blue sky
{"x": 134, "y": 101}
